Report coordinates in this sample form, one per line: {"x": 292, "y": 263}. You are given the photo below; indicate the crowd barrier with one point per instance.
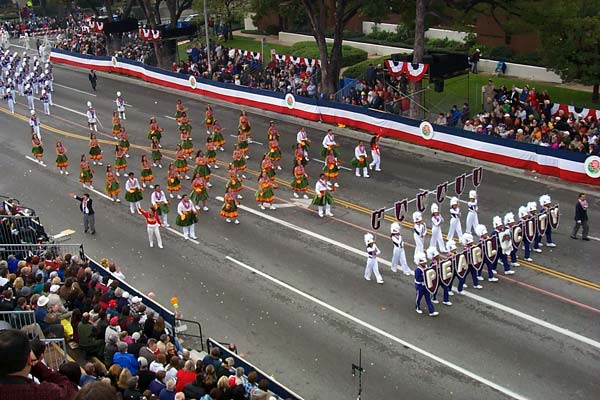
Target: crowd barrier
{"x": 564, "y": 164}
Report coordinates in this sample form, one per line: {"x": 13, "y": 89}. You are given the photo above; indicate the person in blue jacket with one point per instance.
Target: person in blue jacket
{"x": 421, "y": 261}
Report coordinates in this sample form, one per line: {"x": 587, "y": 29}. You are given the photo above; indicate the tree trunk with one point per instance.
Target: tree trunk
{"x": 127, "y": 10}
{"x": 419, "y": 51}
{"x": 44, "y": 7}
{"x": 595, "y": 92}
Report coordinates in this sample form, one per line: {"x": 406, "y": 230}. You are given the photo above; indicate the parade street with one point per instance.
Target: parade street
{"x": 287, "y": 286}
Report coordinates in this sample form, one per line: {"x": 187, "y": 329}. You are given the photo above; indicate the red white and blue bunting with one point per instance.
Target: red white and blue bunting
{"x": 313, "y": 62}
{"x": 149, "y": 34}
{"x": 245, "y": 53}
{"x": 414, "y": 72}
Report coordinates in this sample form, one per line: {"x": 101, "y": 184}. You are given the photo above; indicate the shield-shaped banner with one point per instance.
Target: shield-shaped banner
{"x": 542, "y": 222}
{"x": 491, "y": 248}
{"x": 530, "y": 229}
{"x": 517, "y": 235}
{"x": 446, "y": 270}
{"x": 376, "y": 217}
{"x": 476, "y": 255}
{"x": 431, "y": 278}
{"x": 462, "y": 264}
{"x": 554, "y": 216}
{"x": 421, "y": 201}
{"x": 400, "y": 207}
{"x": 505, "y": 241}
{"x": 440, "y": 193}
{"x": 477, "y": 176}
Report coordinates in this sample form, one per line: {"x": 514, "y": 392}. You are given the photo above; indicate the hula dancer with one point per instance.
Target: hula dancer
{"x": 116, "y": 125}
{"x": 154, "y": 131}
{"x": 300, "y": 155}
{"x": 264, "y": 194}
{"x": 331, "y": 168}
{"x": 86, "y": 175}
{"x": 239, "y": 162}
{"x": 146, "y": 174}
{"x": 186, "y": 143}
{"x": 180, "y": 163}
{"x": 272, "y": 132}
{"x": 211, "y": 153}
{"x": 120, "y": 161}
{"x": 202, "y": 167}
{"x": 133, "y": 193}
{"x": 234, "y": 184}
{"x": 124, "y": 142}
{"x": 244, "y": 124}
{"x": 112, "y": 187}
{"x": 360, "y": 160}
{"x": 242, "y": 143}
{"x": 199, "y": 191}
{"x": 209, "y": 119}
{"x": 173, "y": 181}
{"x": 229, "y": 210}
{"x": 322, "y": 196}
{"x": 36, "y": 147}
{"x": 62, "y": 162}
{"x": 179, "y": 110}
{"x": 329, "y": 143}
{"x": 267, "y": 166}
{"x": 156, "y": 154}
{"x": 303, "y": 140}
{"x": 300, "y": 182}
{"x": 186, "y": 217}
{"x": 95, "y": 151}
{"x": 217, "y": 135}
{"x": 275, "y": 153}
{"x": 184, "y": 122}
{"x": 160, "y": 204}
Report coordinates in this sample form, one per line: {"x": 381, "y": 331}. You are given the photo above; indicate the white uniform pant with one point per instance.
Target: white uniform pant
{"x": 36, "y": 129}
{"x": 46, "y": 108}
{"x": 376, "y": 161}
{"x": 455, "y": 227}
{"x": 189, "y": 231}
{"x": 93, "y": 126}
{"x": 133, "y": 206}
{"x": 399, "y": 258}
{"x": 154, "y": 231}
{"x": 11, "y": 106}
{"x": 50, "y": 98}
{"x": 51, "y": 85}
{"x": 30, "y": 102}
{"x": 472, "y": 221}
{"x": 372, "y": 268}
{"x": 122, "y": 113}
{"x": 418, "y": 243}
{"x": 437, "y": 239}
{"x": 164, "y": 218}
{"x": 327, "y": 210}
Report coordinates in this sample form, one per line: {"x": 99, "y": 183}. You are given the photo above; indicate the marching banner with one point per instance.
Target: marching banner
{"x": 517, "y": 235}
{"x": 446, "y": 269}
{"x": 491, "y": 248}
{"x": 554, "y": 216}
{"x": 530, "y": 229}
{"x": 476, "y": 254}
{"x": 462, "y": 263}
{"x": 542, "y": 222}
{"x": 431, "y": 277}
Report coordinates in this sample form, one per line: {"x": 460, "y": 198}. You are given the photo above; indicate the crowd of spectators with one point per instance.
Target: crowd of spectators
{"x": 132, "y": 352}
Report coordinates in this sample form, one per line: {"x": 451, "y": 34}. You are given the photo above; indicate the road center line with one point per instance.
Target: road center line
{"x": 483, "y": 300}
{"x": 381, "y": 332}
{"x": 73, "y": 89}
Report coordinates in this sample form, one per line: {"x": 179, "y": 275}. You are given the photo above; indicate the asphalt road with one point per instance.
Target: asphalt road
{"x": 295, "y": 302}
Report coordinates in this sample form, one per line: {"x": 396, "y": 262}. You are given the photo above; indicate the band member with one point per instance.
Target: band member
{"x": 112, "y": 187}
{"x": 186, "y": 217}
{"x": 95, "y": 151}
{"x": 29, "y": 94}
{"x": 375, "y": 153}
{"x": 186, "y": 143}
{"x": 86, "y": 175}
{"x": 153, "y": 225}
{"x": 504, "y": 245}
{"x": 120, "y": 161}
{"x": 329, "y": 143}
{"x": 120, "y": 106}
{"x": 160, "y": 204}
{"x": 322, "y": 196}
{"x": 264, "y": 194}
{"x": 229, "y": 210}
{"x": 399, "y": 255}
{"x": 244, "y": 125}
{"x": 173, "y": 181}
{"x": 133, "y": 192}
{"x": 116, "y": 125}
{"x": 124, "y": 142}
{"x": 242, "y": 143}
{"x": 180, "y": 163}
{"x": 300, "y": 182}
{"x": 331, "y": 168}
{"x": 217, "y": 135}
{"x": 179, "y": 110}
{"x": 155, "y": 153}
{"x": 155, "y": 131}
{"x": 36, "y": 147}
{"x": 211, "y": 153}
{"x": 202, "y": 167}
{"x": 146, "y": 174}
{"x": 34, "y": 123}
{"x": 524, "y": 216}
{"x": 45, "y": 102}
{"x": 481, "y": 231}
{"x": 239, "y": 162}
{"x": 419, "y": 232}
{"x": 546, "y": 204}
{"x": 300, "y": 155}
{"x": 199, "y": 191}
{"x": 360, "y": 160}
{"x": 472, "y": 219}
{"x": 509, "y": 222}
{"x": 434, "y": 257}
{"x": 304, "y": 142}
{"x": 467, "y": 242}
{"x": 10, "y": 98}
{"x": 273, "y": 132}
{"x": 62, "y": 162}
{"x": 436, "y": 229}
{"x": 209, "y": 119}
{"x": 372, "y": 266}
{"x": 421, "y": 261}
{"x": 455, "y": 225}
{"x": 91, "y": 117}
{"x": 234, "y": 184}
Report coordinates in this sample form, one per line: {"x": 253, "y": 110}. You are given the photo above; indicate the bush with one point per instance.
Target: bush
{"x": 500, "y": 53}
{"x": 359, "y": 71}
{"x": 350, "y": 55}
{"x": 445, "y": 44}
{"x": 402, "y": 34}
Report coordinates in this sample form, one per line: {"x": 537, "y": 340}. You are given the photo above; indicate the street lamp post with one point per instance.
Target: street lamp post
{"x": 207, "y": 40}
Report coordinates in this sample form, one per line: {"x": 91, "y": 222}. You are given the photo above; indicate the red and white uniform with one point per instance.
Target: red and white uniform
{"x": 153, "y": 226}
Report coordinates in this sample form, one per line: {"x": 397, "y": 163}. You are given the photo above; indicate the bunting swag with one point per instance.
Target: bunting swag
{"x": 414, "y": 72}
{"x": 313, "y": 62}
{"x": 149, "y": 34}
{"x": 567, "y": 109}
{"x": 245, "y": 53}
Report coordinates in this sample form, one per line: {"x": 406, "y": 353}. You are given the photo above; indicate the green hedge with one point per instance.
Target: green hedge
{"x": 359, "y": 71}
{"x": 350, "y": 55}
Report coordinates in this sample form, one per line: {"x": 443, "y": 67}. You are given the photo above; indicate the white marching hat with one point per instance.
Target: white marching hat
{"x": 32, "y": 112}
{"x": 432, "y": 253}
{"x": 454, "y": 201}
{"x": 509, "y": 218}
{"x": 497, "y": 221}
{"x": 395, "y": 228}
{"x": 480, "y": 230}
{"x": 89, "y": 103}
{"x": 545, "y": 200}
{"x": 466, "y": 239}
{"x": 369, "y": 238}
{"x": 434, "y": 208}
{"x": 531, "y": 206}
{"x": 420, "y": 258}
{"x": 118, "y": 93}
{"x": 523, "y": 211}
{"x": 473, "y": 194}
{"x": 417, "y": 216}
{"x": 450, "y": 245}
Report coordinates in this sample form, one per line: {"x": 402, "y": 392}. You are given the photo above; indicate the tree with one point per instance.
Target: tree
{"x": 421, "y": 7}
{"x": 228, "y": 10}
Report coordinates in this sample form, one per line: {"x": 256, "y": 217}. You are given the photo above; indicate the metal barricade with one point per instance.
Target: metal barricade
{"x": 55, "y": 353}
{"x": 47, "y": 250}
{"x": 21, "y": 320}
{"x": 189, "y": 334}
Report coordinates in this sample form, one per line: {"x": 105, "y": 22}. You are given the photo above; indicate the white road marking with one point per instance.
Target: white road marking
{"x": 173, "y": 118}
{"x": 323, "y": 162}
{"x": 70, "y": 109}
{"x": 594, "y": 238}
{"x": 36, "y": 161}
{"x": 73, "y": 89}
{"x": 181, "y": 235}
{"x": 381, "y": 332}
{"x": 361, "y": 253}
{"x": 128, "y": 105}
{"x": 250, "y": 141}
{"x": 63, "y": 235}
{"x": 99, "y": 193}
